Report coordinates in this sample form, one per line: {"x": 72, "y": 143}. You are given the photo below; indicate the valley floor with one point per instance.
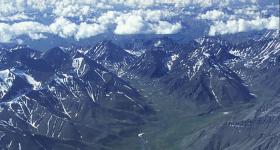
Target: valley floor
{"x": 174, "y": 126}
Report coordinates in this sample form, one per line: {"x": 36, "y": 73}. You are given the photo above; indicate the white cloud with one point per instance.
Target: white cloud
{"x": 242, "y": 25}
{"x": 19, "y": 41}
{"x": 88, "y": 30}
{"x": 250, "y": 11}
{"x": 8, "y": 7}
{"x": 145, "y": 22}
{"x": 108, "y": 17}
{"x": 29, "y": 28}
{"x": 5, "y": 33}
{"x": 156, "y": 15}
{"x": 212, "y": 15}
{"x": 134, "y": 21}
{"x": 164, "y": 27}
{"x": 131, "y": 24}
{"x": 63, "y": 27}
{"x": 178, "y": 3}
{"x": 16, "y": 17}
{"x": 72, "y": 8}
{"x": 37, "y": 36}
{"x": 93, "y": 17}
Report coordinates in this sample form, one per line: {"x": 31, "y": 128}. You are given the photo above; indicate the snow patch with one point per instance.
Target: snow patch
{"x": 170, "y": 63}
{"x": 36, "y": 85}
{"x": 137, "y": 53}
{"x": 226, "y": 113}
{"x": 79, "y": 66}
{"x": 6, "y": 81}
{"x": 157, "y": 44}
{"x": 141, "y": 134}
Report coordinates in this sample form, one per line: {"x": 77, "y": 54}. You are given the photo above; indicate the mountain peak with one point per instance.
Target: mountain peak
{"x": 211, "y": 40}
{"x": 55, "y": 57}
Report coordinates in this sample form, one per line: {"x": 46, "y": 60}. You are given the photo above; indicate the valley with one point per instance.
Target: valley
{"x": 175, "y": 125}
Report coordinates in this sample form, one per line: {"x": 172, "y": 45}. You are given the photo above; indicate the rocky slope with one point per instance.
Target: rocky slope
{"x": 110, "y": 56}
{"x": 77, "y": 104}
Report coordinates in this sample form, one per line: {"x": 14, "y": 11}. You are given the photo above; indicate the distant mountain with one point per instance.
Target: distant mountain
{"x": 140, "y": 46}
{"x": 110, "y": 56}
{"x": 157, "y": 59}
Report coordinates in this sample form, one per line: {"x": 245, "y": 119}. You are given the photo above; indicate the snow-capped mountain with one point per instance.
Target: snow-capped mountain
{"x": 78, "y": 104}
{"x": 262, "y": 54}
{"x": 251, "y": 72}
{"x": 110, "y": 56}
{"x": 13, "y": 56}
{"x": 212, "y": 72}
{"x": 201, "y": 76}
{"x": 102, "y": 96}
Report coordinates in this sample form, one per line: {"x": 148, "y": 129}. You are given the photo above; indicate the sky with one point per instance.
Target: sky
{"x": 82, "y": 19}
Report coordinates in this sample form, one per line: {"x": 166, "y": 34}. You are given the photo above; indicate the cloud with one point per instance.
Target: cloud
{"x": 146, "y": 22}
{"x": 164, "y": 27}
{"x": 29, "y": 28}
{"x": 86, "y": 18}
{"x": 5, "y": 33}
{"x": 178, "y": 3}
{"x": 63, "y": 27}
{"x": 37, "y": 36}
{"x": 242, "y": 19}
{"x": 71, "y": 8}
{"x": 88, "y": 30}
{"x": 16, "y": 17}
{"x": 108, "y": 17}
{"x": 81, "y": 19}
{"x": 212, "y": 15}
{"x": 131, "y": 24}
{"x": 9, "y": 7}
{"x": 242, "y": 25}
{"x": 250, "y": 11}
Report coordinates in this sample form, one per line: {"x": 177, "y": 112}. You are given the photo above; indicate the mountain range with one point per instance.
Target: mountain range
{"x": 211, "y": 93}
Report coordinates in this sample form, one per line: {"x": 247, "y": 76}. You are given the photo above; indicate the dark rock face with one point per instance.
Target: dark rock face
{"x": 110, "y": 56}
{"x": 55, "y": 57}
{"x": 151, "y": 64}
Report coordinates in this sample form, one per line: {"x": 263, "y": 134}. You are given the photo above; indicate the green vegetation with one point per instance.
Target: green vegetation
{"x": 174, "y": 124}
